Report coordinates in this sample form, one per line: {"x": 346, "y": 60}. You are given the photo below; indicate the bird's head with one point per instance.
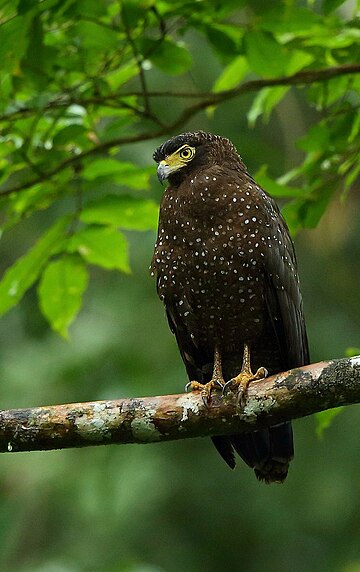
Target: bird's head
{"x": 180, "y": 156}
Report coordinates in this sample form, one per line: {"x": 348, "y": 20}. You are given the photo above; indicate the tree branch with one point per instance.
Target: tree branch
{"x": 281, "y": 397}
{"x": 206, "y": 100}
{"x": 115, "y": 99}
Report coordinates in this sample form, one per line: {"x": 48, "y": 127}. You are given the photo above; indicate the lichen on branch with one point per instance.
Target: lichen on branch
{"x": 282, "y": 397}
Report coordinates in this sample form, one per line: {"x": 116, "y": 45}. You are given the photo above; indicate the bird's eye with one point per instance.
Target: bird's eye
{"x": 187, "y": 153}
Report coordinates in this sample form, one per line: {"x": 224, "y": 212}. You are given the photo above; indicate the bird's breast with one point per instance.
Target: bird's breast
{"x": 216, "y": 288}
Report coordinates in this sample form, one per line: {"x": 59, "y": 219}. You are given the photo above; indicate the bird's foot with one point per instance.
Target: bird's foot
{"x": 217, "y": 381}
{"x": 206, "y": 389}
{"x": 240, "y": 383}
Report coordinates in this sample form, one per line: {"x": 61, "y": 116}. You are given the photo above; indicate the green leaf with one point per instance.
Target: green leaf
{"x": 69, "y": 134}
{"x": 133, "y": 11}
{"x": 232, "y": 74}
{"x": 124, "y": 173}
{"x": 331, "y": 5}
{"x": 170, "y": 57}
{"x": 314, "y": 209}
{"x": 266, "y": 57}
{"x": 274, "y": 188}
{"x": 355, "y": 128}
{"x": 102, "y": 168}
{"x": 270, "y": 59}
{"x": 289, "y": 19}
{"x": 334, "y": 39}
{"x": 96, "y": 37}
{"x": 264, "y": 103}
{"x": 14, "y": 41}
{"x": 316, "y": 139}
{"x": 116, "y": 126}
{"x": 298, "y": 60}
{"x": 290, "y": 213}
{"x": 224, "y": 37}
{"x": 19, "y": 277}
{"x": 88, "y": 8}
{"x": 122, "y": 211}
{"x": 60, "y": 291}
{"x": 104, "y": 246}
{"x": 352, "y": 176}
{"x": 34, "y": 62}
{"x": 325, "y": 418}
{"x": 351, "y": 352}
{"x": 38, "y": 197}
{"x": 306, "y": 212}
{"x": 120, "y": 76}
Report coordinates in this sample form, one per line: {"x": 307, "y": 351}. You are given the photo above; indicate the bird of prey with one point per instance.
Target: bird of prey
{"x": 227, "y": 274}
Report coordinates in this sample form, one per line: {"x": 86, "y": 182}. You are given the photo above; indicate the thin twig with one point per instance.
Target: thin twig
{"x": 139, "y": 63}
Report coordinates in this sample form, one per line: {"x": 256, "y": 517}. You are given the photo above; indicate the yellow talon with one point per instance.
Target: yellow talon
{"x": 242, "y": 380}
{"x": 217, "y": 381}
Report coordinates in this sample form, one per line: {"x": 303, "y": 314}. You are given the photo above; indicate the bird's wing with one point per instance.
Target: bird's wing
{"x": 197, "y": 361}
{"x": 282, "y": 290}
{"x": 269, "y": 450}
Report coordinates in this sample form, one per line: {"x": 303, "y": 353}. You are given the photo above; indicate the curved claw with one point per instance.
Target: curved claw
{"x": 219, "y": 384}
{"x": 241, "y": 397}
{"x": 187, "y": 386}
{"x": 225, "y": 387}
{"x": 241, "y": 392}
{"x": 206, "y": 398}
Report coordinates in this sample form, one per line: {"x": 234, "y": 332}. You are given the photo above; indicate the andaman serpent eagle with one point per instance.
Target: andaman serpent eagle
{"x": 227, "y": 275}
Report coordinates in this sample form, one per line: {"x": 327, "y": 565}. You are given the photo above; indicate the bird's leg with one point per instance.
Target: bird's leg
{"x": 242, "y": 380}
{"x": 217, "y": 380}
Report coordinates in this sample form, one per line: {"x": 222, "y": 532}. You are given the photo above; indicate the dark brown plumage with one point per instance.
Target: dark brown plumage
{"x": 226, "y": 272}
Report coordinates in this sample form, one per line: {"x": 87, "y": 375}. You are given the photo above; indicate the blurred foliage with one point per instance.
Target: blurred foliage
{"x": 325, "y": 418}
{"x": 88, "y": 89}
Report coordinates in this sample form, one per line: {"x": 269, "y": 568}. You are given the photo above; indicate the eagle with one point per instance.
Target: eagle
{"x": 226, "y": 272}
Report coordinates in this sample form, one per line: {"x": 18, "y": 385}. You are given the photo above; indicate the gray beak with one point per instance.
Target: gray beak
{"x": 163, "y": 171}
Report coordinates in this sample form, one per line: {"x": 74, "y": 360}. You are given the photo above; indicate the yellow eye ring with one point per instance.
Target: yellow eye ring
{"x": 187, "y": 153}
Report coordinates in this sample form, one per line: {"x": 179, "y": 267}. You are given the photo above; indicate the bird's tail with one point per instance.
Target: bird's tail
{"x": 268, "y": 451}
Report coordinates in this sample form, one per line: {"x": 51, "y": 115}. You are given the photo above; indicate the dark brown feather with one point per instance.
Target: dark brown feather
{"x": 226, "y": 272}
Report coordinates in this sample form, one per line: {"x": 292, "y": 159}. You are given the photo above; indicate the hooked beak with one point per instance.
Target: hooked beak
{"x": 163, "y": 171}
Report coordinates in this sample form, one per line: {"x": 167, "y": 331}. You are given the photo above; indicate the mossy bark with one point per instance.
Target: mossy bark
{"x": 281, "y": 397}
